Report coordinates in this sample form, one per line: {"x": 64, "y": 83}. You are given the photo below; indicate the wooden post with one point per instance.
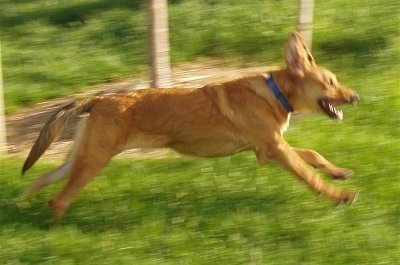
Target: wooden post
{"x": 159, "y": 43}
{"x": 305, "y": 20}
{"x": 3, "y": 132}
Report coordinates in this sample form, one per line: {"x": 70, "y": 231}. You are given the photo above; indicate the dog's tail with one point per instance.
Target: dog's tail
{"x": 53, "y": 127}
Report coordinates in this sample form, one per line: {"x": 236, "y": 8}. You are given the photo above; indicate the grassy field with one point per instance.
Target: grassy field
{"x": 52, "y": 48}
{"x": 208, "y": 211}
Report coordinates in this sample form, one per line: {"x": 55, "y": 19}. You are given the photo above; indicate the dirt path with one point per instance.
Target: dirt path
{"x": 23, "y": 127}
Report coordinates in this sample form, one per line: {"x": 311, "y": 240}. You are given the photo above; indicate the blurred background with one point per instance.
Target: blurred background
{"x": 190, "y": 211}
{"x": 54, "y": 48}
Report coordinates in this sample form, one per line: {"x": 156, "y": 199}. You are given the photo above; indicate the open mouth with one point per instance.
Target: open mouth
{"x": 327, "y": 105}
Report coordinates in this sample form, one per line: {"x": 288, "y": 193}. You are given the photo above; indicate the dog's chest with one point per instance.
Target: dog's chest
{"x": 285, "y": 125}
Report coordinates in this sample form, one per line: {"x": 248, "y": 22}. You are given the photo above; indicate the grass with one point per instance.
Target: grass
{"x": 52, "y": 49}
{"x": 205, "y": 211}
{"x": 208, "y": 211}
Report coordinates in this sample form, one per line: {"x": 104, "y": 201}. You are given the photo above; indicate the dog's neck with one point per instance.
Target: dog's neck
{"x": 278, "y": 94}
{"x": 284, "y": 81}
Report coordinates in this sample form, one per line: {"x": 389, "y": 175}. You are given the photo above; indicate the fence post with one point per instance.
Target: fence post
{"x": 159, "y": 43}
{"x": 3, "y": 132}
{"x": 305, "y": 20}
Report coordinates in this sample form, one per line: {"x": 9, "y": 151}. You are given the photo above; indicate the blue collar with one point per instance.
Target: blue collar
{"x": 278, "y": 94}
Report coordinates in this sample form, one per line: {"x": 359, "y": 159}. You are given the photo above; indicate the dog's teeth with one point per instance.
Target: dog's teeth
{"x": 340, "y": 114}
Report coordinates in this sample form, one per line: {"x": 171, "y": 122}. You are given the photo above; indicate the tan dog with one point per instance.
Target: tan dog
{"x": 216, "y": 120}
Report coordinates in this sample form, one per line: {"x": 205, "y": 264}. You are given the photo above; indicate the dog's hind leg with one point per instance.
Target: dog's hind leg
{"x": 83, "y": 171}
{"x": 46, "y": 179}
{"x": 95, "y": 147}
{"x": 315, "y": 159}
{"x": 62, "y": 171}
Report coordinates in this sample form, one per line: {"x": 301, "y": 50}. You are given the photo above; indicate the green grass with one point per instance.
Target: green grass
{"x": 52, "y": 49}
{"x": 208, "y": 211}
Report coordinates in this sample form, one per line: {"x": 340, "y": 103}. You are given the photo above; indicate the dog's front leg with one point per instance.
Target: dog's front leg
{"x": 284, "y": 154}
{"x": 315, "y": 159}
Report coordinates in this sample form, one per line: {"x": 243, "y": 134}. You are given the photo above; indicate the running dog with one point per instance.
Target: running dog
{"x": 247, "y": 114}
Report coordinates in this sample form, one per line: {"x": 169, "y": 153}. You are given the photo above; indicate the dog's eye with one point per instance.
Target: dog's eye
{"x": 330, "y": 82}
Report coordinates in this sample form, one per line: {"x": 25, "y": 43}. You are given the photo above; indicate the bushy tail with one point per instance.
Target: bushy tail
{"x": 53, "y": 127}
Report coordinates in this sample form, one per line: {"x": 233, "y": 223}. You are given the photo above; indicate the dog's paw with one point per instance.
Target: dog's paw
{"x": 350, "y": 198}
{"x": 57, "y": 210}
{"x": 342, "y": 174}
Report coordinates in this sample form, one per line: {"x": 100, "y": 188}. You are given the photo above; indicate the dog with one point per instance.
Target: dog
{"x": 220, "y": 119}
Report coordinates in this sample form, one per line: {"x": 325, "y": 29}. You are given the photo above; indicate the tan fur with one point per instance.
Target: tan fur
{"x": 215, "y": 120}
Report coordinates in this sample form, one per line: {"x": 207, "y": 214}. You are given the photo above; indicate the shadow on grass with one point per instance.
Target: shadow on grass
{"x": 356, "y": 45}
{"x": 100, "y": 217}
{"x": 64, "y": 15}
{"x": 364, "y": 48}
{"x": 125, "y": 210}
{"x": 187, "y": 193}
{"x": 35, "y": 214}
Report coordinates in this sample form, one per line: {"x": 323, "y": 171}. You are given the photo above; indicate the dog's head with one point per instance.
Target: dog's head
{"x": 317, "y": 88}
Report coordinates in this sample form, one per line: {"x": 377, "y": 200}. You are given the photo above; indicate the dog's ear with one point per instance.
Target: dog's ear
{"x": 298, "y": 57}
